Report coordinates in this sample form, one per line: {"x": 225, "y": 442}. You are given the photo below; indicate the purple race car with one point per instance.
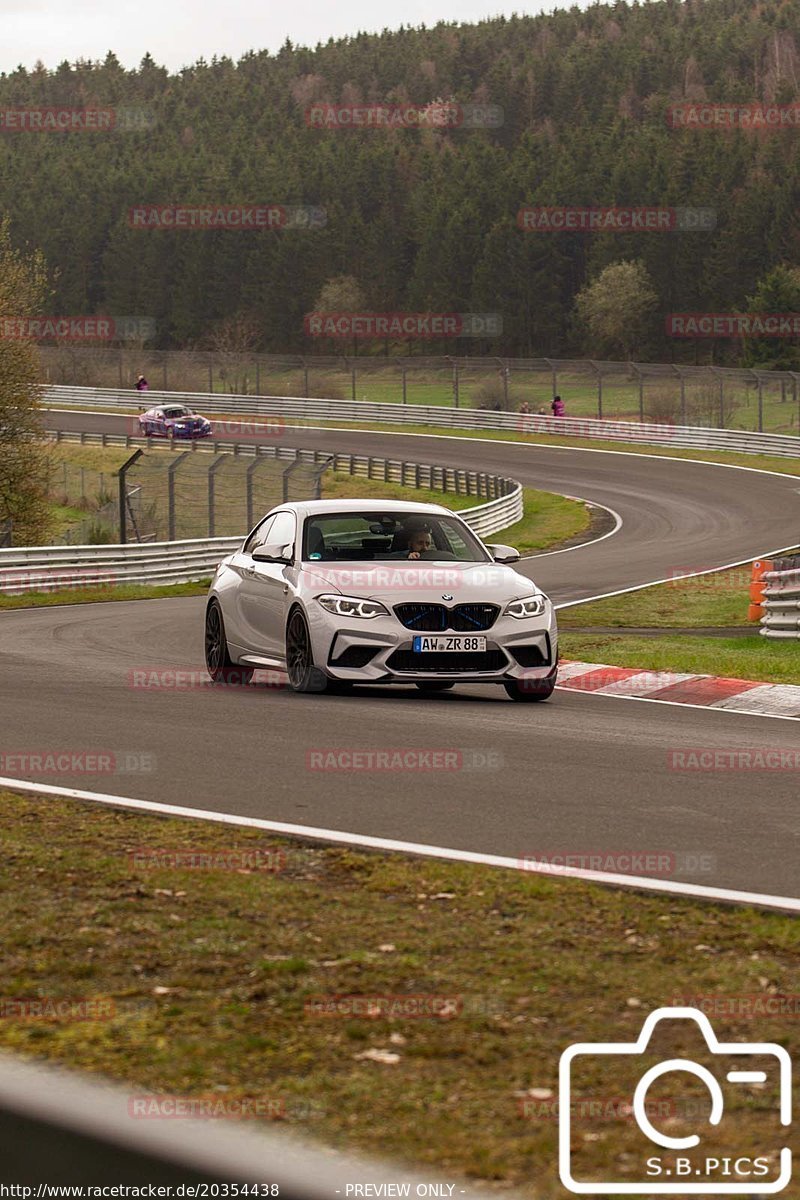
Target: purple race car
{"x": 173, "y": 421}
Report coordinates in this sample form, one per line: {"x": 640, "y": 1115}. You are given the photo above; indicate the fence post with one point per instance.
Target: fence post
{"x": 760, "y": 405}
{"x": 456, "y": 399}
{"x": 305, "y": 379}
{"x": 722, "y": 402}
{"x": 353, "y": 382}
{"x": 171, "y": 469}
{"x": 320, "y": 471}
{"x": 682, "y": 378}
{"x": 123, "y": 495}
{"x": 254, "y": 465}
{"x": 212, "y": 471}
{"x": 404, "y": 385}
{"x": 210, "y": 378}
{"x": 600, "y": 390}
{"x": 286, "y": 474}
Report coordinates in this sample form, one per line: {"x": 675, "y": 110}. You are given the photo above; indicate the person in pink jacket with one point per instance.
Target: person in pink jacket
{"x": 557, "y": 406}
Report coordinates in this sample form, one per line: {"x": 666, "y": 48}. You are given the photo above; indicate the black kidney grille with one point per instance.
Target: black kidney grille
{"x": 428, "y": 618}
{"x": 435, "y": 618}
{"x": 468, "y": 618}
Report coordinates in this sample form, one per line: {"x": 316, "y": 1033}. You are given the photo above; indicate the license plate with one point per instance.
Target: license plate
{"x": 439, "y": 643}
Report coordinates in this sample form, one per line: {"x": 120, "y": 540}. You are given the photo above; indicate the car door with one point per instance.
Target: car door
{"x": 264, "y": 587}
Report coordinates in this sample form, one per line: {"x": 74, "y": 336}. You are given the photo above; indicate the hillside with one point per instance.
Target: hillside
{"x": 423, "y": 219}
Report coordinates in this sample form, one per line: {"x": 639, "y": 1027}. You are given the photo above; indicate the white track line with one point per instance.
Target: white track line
{"x": 673, "y": 579}
{"x": 745, "y": 712}
{"x": 590, "y": 541}
{"x": 392, "y": 846}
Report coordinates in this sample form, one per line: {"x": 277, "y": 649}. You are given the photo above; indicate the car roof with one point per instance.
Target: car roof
{"x": 310, "y": 508}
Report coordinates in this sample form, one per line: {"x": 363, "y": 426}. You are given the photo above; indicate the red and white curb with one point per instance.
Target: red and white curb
{"x": 705, "y": 691}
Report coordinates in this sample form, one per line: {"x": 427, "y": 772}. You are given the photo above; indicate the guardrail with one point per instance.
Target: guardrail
{"x": 62, "y": 1129}
{"x": 682, "y": 436}
{"x": 775, "y": 596}
{"x": 48, "y": 568}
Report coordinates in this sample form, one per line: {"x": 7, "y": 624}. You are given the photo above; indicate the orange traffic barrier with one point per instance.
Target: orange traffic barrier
{"x": 757, "y": 586}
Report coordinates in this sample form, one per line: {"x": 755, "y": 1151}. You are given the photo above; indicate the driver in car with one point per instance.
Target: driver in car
{"x": 419, "y": 542}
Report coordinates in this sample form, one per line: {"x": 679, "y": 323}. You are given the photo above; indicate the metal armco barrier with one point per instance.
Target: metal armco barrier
{"x": 44, "y": 568}
{"x": 292, "y": 409}
{"x": 60, "y": 1128}
{"x": 775, "y": 596}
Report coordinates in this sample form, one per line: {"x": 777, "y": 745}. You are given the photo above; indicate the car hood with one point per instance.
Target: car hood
{"x": 420, "y": 582}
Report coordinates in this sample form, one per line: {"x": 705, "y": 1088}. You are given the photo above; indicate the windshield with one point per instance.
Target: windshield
{"x": 178, "y": 412}
{"x": 379, "y": 536}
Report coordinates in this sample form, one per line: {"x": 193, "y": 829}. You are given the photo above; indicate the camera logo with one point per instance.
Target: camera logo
{"x": 688, "y": 1165}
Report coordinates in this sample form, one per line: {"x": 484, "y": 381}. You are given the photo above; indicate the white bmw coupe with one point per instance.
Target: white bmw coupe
{"x": 340, "y": 592}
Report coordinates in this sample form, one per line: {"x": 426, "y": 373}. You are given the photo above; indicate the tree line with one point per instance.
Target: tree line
{"x": 425, "y": 219}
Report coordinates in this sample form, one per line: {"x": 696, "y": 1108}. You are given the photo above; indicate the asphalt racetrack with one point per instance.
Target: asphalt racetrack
{"x": 579, "y": 775}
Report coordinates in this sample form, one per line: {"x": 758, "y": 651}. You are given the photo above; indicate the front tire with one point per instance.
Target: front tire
{"x": 219, "y": 663}
{"x": 303, "y": 675}
{"x": 532, "y": 691}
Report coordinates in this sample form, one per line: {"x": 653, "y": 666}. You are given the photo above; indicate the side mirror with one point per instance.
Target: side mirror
{"x": 503, "y": 554}
{"x": 273, "y": 554}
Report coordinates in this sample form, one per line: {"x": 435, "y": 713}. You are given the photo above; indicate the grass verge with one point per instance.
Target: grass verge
{"x": 94, "y": 595}
{"x": 718, "y": 599}
{"x": 751, "y": 658}
{"x": 214, "y": 976}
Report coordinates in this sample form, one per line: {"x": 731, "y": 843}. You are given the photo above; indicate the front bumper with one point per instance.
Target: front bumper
{"x": 381, "y": 651}
{"x": 200, "y": 432}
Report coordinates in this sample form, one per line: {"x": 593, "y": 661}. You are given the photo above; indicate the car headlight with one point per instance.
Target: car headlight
{"x": 352, "y": 606}
{"x": 527, "y": 606}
